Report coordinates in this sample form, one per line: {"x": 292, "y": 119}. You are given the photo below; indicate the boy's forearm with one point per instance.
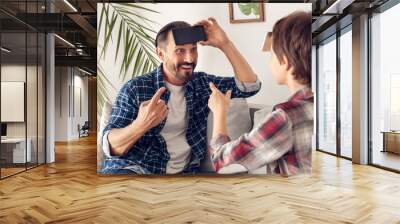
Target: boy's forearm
{"x": 219, "y": 125}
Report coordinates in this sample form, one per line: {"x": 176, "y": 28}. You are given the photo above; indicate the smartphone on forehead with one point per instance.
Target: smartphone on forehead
{"x": 189, "y": 35}
{"x": 266, "y": 46}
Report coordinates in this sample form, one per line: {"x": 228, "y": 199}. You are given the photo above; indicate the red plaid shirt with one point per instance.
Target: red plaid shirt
{"x": 281, "y": 142}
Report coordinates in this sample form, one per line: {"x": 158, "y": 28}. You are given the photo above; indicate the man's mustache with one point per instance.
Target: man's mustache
{"x": 187, "y": 64}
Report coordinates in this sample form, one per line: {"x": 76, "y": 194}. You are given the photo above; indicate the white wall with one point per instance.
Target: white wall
{"x": 248, "y": 38}
{"x": 68, "y": 83}
{"x": 61, "y": 111}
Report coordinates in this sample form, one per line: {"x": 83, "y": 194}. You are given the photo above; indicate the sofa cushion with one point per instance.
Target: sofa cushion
{"x": 260, "y": 114}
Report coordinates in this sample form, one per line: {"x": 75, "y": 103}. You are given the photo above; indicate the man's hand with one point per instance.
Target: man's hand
{"x": 219, "y": 102}
{"x": 216, "y": 36}
{"x": 152, "y": 112}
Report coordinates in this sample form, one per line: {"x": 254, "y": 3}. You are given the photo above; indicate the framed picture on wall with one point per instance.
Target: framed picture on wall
{"x": 246, "y": 12}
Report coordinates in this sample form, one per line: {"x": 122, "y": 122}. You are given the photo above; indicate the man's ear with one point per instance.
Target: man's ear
{"x": 160, "y": 53}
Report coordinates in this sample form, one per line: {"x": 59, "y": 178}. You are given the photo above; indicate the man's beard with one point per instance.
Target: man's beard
{"x": 184, "y": 74}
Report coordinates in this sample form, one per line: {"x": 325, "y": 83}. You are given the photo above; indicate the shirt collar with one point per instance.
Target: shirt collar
{"x": 303, "y": 94}
{"x": 159, "y": 78}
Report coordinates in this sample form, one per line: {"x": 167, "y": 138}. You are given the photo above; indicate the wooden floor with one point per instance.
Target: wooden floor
{"x": 5, "y": 172}
{"x": 10, "y": 171}
{"x": 70, "y": 191}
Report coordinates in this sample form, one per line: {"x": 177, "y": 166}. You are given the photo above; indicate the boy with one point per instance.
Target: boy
{"x": 282, "y": 141}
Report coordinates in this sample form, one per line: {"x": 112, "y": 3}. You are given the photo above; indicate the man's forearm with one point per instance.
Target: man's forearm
{"x": 122, "y": 139}
{"x": 242, "y": 69}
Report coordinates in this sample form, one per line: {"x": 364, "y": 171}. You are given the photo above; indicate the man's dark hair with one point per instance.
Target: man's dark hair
{"x": 162, "y": 35}
{"x": 291, "y": 37}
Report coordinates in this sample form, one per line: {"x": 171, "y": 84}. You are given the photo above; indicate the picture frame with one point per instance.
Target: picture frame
{"x": 246, "y": 12}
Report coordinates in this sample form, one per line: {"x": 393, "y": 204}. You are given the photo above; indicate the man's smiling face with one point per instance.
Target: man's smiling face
{"x": 179, "y": 60}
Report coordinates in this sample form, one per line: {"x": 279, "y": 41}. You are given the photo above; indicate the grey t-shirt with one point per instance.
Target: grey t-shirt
{"x": 174, "y": 131}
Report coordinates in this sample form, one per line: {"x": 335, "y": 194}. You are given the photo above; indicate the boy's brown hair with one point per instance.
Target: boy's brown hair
{"x": 291, "y": 37}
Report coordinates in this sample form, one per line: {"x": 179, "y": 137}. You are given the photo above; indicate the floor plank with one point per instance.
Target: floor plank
{"x": 70, "y": 191}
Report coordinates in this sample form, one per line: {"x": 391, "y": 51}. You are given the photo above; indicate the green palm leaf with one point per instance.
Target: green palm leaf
{"x": 134, "y": 46}
{"x": 133, "y": 40}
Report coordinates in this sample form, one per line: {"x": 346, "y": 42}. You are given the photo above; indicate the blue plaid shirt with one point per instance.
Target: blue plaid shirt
{"x": 149, "y": 154}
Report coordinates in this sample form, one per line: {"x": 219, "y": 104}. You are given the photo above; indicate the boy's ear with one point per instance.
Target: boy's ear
{"x": 286, "y": 63}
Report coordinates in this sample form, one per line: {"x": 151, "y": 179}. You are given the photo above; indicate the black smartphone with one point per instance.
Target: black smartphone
{"x": 267, "y": 42}
{"x": 189, "y": 35}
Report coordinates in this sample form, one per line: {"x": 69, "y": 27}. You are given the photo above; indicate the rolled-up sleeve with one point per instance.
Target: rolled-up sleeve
{"x": 124, "y": 109}
{"x": 105, "y": 145}
{"x": 264, "y": 144}
{"x": 239, "y": 89}
{"x": 248, "y": 86}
